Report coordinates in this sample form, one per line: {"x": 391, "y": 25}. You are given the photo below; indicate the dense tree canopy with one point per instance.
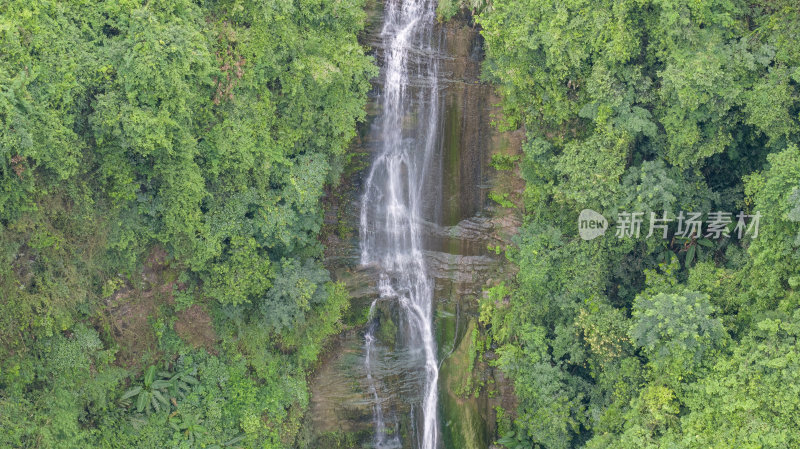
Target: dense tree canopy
{"x": 201, "y": 131}
{"x": 162, "y": 162}
{"x": 651, "y": 106}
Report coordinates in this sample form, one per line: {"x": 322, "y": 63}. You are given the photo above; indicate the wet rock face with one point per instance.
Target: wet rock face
{"x": 471, "y": 224}
{"x": 456, "y": 255}
{"x": 467, "y": 131}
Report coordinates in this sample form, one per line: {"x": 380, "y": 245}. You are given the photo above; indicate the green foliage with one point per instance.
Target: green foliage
{"x": 245, "y": 274}
{"x": 297, "y": 288}
{"x": 606, "y": 86}
{"x": 157, "y": 390}
{"x": 65, "y": 383}
{"x": 159, "y": 162}
{"x": 677, "y": 332}
{"x": 188, "y": 426}
{"x": 150, "y": 394}
{"x": 776, "y": 252}
{"x": 504, "y": 162}
{"x": 514, "y": 440}
{"x": 652, "y": 106}
{"x": 446, "y": 9}
{"x": 501, "y": 199}
{"x": 748, "y": 399}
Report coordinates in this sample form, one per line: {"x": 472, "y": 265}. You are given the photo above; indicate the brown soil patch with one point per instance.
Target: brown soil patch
{"x": 194, "y": 327}
{"x": 130, "y": 310}
{"x": 127, "y": 317}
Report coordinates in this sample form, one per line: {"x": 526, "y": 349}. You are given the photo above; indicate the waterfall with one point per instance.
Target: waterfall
{"x": 400, "y": 197}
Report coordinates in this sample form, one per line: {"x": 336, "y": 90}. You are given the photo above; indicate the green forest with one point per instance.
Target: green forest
{"x": 163, "y": 163}
{"x": 164, "y": 166}
{"x": 654, "y": 106}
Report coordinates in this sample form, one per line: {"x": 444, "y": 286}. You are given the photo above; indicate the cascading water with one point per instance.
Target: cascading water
{"x": 399, "y": 198}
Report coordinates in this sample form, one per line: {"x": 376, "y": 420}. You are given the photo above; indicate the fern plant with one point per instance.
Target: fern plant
{"x": 178, "y": 383}
{"x": 190, "y": 426}
{"x": 149, "y": 396}
{"x": 515, "y": 440}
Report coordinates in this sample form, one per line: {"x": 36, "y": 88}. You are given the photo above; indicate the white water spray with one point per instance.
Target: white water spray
{"x": 392, "y": 207}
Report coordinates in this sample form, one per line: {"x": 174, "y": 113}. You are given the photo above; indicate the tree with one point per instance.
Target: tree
{"x": 776, "y": 251}
{"x": 678, "y": 333}
{"x": 749, "y": 399}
